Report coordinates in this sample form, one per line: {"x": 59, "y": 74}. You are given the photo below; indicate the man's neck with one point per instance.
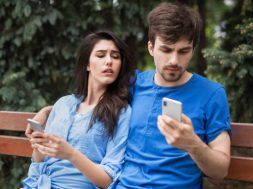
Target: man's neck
{"x": 184, "y": 79}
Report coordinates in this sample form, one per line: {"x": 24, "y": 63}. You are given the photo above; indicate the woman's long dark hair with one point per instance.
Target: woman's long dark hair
{"x": 117, "y": 95}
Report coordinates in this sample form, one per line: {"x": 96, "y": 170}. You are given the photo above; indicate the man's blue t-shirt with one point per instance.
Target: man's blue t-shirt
{"x": 150, "y": 162}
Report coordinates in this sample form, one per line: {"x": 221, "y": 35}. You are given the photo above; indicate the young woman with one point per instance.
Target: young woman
{"x": 85, "y": 137}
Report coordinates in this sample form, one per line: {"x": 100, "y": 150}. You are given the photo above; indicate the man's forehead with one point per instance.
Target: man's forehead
{"x": 183, "y": 41}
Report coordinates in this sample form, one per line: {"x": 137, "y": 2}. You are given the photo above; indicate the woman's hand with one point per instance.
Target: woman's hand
{"x": 41, "y": 117}
{"x": 36, "y": 139}
{"x": 54, "y": 146}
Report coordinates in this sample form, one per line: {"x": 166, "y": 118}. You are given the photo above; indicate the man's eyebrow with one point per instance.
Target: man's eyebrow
{"x": 164, "y": 47}
{"x": 186, "y": 48}
{"x": 183, "y": 48}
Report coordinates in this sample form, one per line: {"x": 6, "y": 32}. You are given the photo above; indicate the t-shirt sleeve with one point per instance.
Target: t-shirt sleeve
{"x": 217, "y": 115}
{"x": 115, "y": 150}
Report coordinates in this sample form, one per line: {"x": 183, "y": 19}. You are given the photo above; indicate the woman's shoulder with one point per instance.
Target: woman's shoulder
{"x": 68, "y": 100}
{"x": 126, "y": 112}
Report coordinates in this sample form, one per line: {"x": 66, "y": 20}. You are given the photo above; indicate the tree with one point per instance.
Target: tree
{"x": 232, "y": 64}
{"x": 38, "y": 45}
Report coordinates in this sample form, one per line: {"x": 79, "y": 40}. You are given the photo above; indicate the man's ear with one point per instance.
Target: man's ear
{"x": 150, "y": 48}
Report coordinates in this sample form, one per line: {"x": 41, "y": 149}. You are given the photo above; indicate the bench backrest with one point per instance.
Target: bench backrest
{"x": 14, "y": 145}
{"x": 241, "y": 168}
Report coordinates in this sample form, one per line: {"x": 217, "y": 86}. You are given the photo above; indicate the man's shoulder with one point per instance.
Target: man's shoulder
{"x": 143, "y": 75}
{"x": 206, "y": 83}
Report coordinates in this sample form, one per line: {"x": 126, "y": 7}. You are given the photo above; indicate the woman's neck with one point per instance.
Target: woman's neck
{"x": 94, "y": 94}
{"x": 92, "y": 98}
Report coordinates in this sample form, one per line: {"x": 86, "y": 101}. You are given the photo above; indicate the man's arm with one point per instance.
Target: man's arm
{"x": 41, "y": 117}
{"x": 213, "y": 158}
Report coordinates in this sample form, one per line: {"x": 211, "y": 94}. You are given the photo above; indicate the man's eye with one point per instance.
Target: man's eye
{"x": 184, "y": 52}
{"x": 166, "y": 50}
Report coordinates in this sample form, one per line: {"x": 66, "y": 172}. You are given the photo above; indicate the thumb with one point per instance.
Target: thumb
{"x": 186, "y": 119}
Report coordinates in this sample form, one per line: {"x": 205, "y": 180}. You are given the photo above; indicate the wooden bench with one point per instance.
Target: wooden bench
{"x": 241, "y": 167}
{"x": 14, "y": 145}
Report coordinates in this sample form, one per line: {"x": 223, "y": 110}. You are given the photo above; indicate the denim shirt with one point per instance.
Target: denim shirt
{"x": 107, "y": 152}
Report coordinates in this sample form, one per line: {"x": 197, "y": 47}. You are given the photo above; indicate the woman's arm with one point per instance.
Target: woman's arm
{"x": 59, "y": 148}
{"x": 100, "y": 174}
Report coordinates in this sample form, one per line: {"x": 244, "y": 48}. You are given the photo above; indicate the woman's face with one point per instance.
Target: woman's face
{"x": 104, "y": 63}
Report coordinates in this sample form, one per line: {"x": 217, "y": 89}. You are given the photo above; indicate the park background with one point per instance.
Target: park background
{"x": 39, "y": 40}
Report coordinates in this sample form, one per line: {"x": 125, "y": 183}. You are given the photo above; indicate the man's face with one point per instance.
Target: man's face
{"x": 171, "y": 60}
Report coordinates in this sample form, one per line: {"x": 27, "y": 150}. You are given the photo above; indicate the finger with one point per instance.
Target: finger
{"x": 28, "y": 131}
{"x": 167, "y": 129}
{"x": 45, "y": 149}
{"x": 166, "y": 134}
{"x": 37, "y": 134}
{"x": 170, "y": 121}
{"x": 33, "y": 145}
{"x": 39, "y": 140}
{"x": 186, "y": 119}
{"x": 52, "y": 138}
{"x": 51, "y": 144}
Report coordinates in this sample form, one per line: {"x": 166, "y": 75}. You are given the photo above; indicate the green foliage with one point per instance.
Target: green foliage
{"x": 38, "y": 45}
{"x": 12, "y": 171}
{"x": 39, "y": 41}
{"x": 232, "y": 66}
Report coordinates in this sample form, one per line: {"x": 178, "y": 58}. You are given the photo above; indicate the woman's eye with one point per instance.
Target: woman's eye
{"x": 100, "y": 55}
{"x": 115, "y": 56}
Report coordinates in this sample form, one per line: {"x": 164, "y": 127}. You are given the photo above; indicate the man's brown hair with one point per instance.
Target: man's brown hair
{"x": 173, "y": 21}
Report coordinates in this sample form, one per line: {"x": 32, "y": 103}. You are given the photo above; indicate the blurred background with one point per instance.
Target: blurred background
{"x": 39, "y": 40}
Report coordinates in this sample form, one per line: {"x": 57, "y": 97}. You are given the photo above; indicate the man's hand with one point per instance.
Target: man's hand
{"x": 41, "y": 117}
{"x": 212, "y": 158}
{"x": 179, "y": 134}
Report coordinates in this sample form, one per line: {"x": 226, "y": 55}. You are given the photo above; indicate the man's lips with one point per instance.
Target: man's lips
{"x": 172, "y": 69}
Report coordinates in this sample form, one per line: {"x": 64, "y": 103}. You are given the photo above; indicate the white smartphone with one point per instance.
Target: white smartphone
{"x": 172, "y": 108}
{"x": 35, "y": 125}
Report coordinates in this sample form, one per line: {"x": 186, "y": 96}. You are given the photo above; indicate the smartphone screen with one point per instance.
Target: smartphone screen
{"x": 35, "y": 125}
{"x": 172, "y": 108}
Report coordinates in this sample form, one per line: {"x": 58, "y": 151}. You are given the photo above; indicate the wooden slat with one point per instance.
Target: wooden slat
{"x": 19, "y": 146}
{"x": 242, "y": 135}
{"x": 241, "y": 169}
{"x": 14, "y": 121}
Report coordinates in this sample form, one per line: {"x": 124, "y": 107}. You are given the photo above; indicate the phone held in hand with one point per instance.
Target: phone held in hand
{"x": 35, "y": 125}
{"x": 172, "y": 108}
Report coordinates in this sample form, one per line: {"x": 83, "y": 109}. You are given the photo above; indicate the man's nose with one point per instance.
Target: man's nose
{"x": 174, "y": 59}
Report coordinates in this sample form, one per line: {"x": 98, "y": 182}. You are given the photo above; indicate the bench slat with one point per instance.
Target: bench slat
{"x": 14, "y": 121}
{"x": 242, "y": 135}
{"x": 19, "y": 146}
{"x": 241, "y": 169}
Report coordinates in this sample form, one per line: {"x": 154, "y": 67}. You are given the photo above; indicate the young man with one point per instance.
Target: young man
{"x": 161, "y": 152}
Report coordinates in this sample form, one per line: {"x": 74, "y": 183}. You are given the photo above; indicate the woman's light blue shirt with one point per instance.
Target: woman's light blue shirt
{"x": 65, "y": 122}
